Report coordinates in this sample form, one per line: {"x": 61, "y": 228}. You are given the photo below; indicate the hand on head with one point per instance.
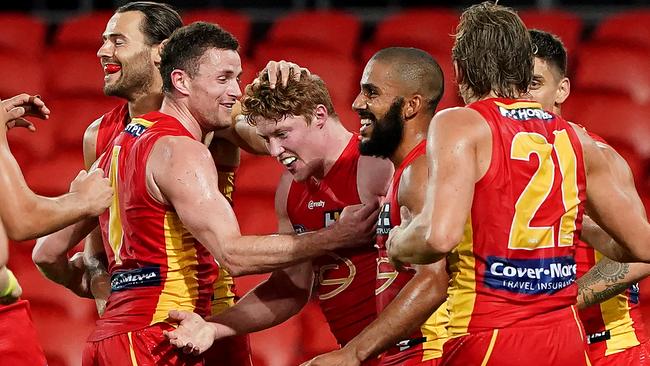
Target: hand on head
{"x": 286, "y": 69}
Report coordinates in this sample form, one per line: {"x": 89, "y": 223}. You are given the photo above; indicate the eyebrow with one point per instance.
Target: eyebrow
{"x": 112, "y": 35}
{"x": 370, "y": 87}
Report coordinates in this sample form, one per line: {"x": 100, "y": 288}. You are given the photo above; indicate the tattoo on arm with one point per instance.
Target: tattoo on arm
{"x": 604, "y": 281}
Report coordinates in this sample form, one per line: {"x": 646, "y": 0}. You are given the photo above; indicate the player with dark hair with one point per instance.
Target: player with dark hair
{"x": 508, "y": 185}
{"x": 168, "y": 219}
{"x": 608, "y": 291}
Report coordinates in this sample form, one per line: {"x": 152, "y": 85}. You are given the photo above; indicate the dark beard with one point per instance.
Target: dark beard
{"x": 386, "y": 133}
{"x": 135, "y": 79}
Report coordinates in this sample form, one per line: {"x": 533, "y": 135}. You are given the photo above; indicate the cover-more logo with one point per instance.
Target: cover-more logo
{"x": 530, "y": 276}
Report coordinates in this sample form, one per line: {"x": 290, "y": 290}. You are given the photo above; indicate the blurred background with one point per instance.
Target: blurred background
{"x": 48, "y": 47}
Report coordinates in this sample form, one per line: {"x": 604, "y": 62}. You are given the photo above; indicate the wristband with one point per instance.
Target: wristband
{"x": 13, "y": 283}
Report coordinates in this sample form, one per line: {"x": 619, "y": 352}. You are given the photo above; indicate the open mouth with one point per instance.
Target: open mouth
{"x": 112, "y": 68}
{"x": 288, "y": 161}
{"x": 366, "y": 123}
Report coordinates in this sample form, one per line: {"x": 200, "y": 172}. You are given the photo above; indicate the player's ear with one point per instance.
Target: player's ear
{"x": 181, "y": 81}
{"x": 156, "y": 50}
{"x": 563, "y": 91}
{"x": 413, "y": 106}
{"x": 320, "y": 115}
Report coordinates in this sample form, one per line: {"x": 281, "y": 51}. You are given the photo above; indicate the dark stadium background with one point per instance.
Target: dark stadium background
{"x": 49, "y": 46}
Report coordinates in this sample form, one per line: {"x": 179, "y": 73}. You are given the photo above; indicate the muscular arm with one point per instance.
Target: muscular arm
{"x": 609, "y": 278}
{"x": 278, "y": 298}
{"x": 181, "y": 172}
{"x": 51, "y": 252}
{"x": 609, "y": 207}
{"x": 422, "y": 295}
{"x": 241, "y": 134}
{"x": 50, "y": 256}
{"x": 452, "y": 142}
{"x": 27, "y": 215}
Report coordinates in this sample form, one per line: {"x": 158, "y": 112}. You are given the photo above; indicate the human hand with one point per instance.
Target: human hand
{"x": 286, "y": 69}
{"x": 94, "y": 190}
{"x": 193, "y": 334}
{"x": 25, "y": 105}
{"x": 395, "y": 236}
{"x": 357, "y": 224}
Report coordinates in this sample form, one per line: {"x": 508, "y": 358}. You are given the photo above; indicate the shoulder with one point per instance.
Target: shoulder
{"x": 412, "y": 184}
{"x": 458, "y": 125}
{"x": 176, "y": 148}
{"x": 90, "y": 136}
{"x": 282, "y": 192}
{"x": 373, "y": 177}
{"x": 458, "y": 118}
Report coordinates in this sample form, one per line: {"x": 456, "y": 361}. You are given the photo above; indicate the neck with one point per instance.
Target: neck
{"x": 415, "y": 131}
{"x": 179, "y": 110}
{"x": 491, "y": 94}
{"x": 145, "y": 103}
{"x": 335, "y": 139}
{"x": 148, "y": 100}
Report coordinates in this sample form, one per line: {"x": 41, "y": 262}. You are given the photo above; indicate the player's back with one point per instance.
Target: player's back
{"x": 154, "y": 262}
{"x": 516, "y": 260}
{"x": 346, "y": 278}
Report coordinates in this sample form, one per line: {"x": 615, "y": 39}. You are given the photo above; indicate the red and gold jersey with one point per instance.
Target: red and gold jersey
{"x": 154, "y": 262}
{"x": 516, "y": 258}
{"x": 426, "y": 343}
{"x": 111, "y": 125}
{"x": 346, "y": 278}
{"x": 615, "y": 324}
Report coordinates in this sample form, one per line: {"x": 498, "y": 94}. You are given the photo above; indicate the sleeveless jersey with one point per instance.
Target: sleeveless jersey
{"x": 346, "y": 277}
{"x": 615, "y": 324}
{"x": 516, "y": 258}
{"x": 111, "y": 125}
{"x": 154, "y": 262}
{"x": 426, "y": 343}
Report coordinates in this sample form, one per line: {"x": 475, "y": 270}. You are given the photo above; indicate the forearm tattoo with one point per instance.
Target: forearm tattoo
{"x": 604, "y": 281}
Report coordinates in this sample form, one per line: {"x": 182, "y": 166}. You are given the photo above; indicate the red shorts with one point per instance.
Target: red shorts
{"x": 18, "y": 339}
{"x": 142, "y": 347}
{"x": 552, "y": 339}
{"x": 233, "y": 351}
{"x": 635, "y": 356}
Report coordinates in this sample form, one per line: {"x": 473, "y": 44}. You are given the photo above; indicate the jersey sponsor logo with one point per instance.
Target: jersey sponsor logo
{"x": 299, "y": 229}
{"x": 331, "y": 217}
{"x": 313, "y": 204}
{"x": 530, "y": 276}
{"x": 135, "y": 129}
{"x": 598, "y": 337}
{"x": 140, "y": 277}
{"x": 383, "y": 224}
{"x": 525, "y": 114}
{"x": 634, "y": 293}
{"x": 335, "y": 274}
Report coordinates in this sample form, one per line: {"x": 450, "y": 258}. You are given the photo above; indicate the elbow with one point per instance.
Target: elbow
{"x": 18, "y": 231}
{"x": 228, "y": 263}
{"x": 442, "y": 242}
{"x": 41, "y": 257}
